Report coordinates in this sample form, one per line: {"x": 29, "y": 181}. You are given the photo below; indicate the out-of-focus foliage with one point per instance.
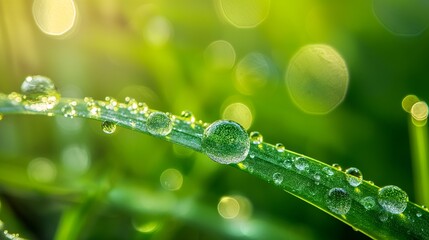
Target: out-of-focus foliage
{"x": 217, "y": 59}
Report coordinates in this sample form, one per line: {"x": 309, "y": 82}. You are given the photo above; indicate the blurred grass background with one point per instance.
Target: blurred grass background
{"x": 55, "y": 170}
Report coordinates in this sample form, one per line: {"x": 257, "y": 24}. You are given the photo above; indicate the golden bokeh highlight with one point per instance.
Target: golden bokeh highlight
{"x": 419, "y": 111}
{"x": 171, "y": 179}
{"x": 317, "y": 79}
{"x": 228, "y": 207}
{"x": 408, "y": 102}
{"x": 243, "y": 13}
{"x": 55, "y": 17}
{"x": 240, "y": 113}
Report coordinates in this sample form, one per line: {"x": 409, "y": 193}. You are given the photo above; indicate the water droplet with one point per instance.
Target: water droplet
{"x": 384, "y": 216}
{"x": 328, "y": 171}
{"x": 69, "y": 110}
{"x": 280, "y": 147}
{"x": 225, "y": 142}
{"x": 392, "y": 199}
{"x": 300, "y": 163}
{"x": 316, "y": 177}
{"x": 424, "y": 207}
{"x": 15, "y": 97}
{"x": 367, "y": 202}
{"x": 39, "y": 93}
{"x": 92, "y": 107}
{"x": 418, "y": 214}
{"x": 354, "y": 176}
{"x": 256, "y": 137}
{"x": 337, "y": 166}
{"x": 188, "y": 117}
{"x": 143, "y": 108}
{"x": 132, "y": 105}
{"x": 111, "y": 104}
{"x": 287, "y": 163}
{"x": 277, "y": 178}
{"x": 338, "y": 201}
{"x": 159, "y": 124}
{"x": 108, "y": 127}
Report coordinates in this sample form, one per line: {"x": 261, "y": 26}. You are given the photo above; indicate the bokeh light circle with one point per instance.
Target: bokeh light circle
{"x": 54, "y": 17}
{"x": 244, "y": 13}
{"x": 317, "y": 79}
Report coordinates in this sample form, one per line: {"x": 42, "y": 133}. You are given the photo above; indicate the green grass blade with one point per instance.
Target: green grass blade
{"x": 317, "y": 183}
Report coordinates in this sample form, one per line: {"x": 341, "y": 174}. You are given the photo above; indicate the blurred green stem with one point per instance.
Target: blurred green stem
{"x": 419, "y": 148}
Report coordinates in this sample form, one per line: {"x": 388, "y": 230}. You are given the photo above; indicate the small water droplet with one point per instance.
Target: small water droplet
{"x": 225, "y": 142}
{"x": 384, "y": 216}
{"x": 392, "y": 199}
{"x": 15, "y": 97}
{"x": 419, "y": 214}
{"x": 252, "y": 156}
{"x": 424, "y": 207}
{"x": 132, "y": 105}
{"x": 159, "y": 124}
{"x": 39, "y": 93}
{"x": 300, "y": 163}
{"x": 337, "y": 166}
{"x": 354, "y": 176}
{"x": 280, "y": 147}
{"x": 316, "y": 177}
{"x": 108, "y": 127}
{"x": 328, "y": 171}
{"x": 188, "y": 117}
{"x": 111, "y": 104}
{"x": 338, "y": 201}
{"x": 69, "y": 110}
{"x": 287, "y": 163}
{"x": 143, "y": 108}
{"x": 92, "y": 107}
{"x": 256, "y": 137}
{"x": 277, "y": 178}
{"x": 367, "y": 202}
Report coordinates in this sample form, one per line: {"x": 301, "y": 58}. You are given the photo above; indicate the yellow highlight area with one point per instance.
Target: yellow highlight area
{"x": 228, "y": 207}
{"x": 239, "y": 113}
{"x": 145, "y": 227}
{"x": 419, "y": 111}
{"x": 244, "y": 13}
{"x": 317, "y": 78}
{"x": 54, "y": 17}
{"x": 408, "y": 102}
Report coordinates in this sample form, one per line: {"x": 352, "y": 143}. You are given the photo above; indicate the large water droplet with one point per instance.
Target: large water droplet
{"x": 277, "y": 178}
{"x": 367, "y": 202}
{"x": 392, "y": 199}
{"x": 108, "y": 127}
{"x": 354, "y": 176}
{"x": 39, "y": 93}
{"x": 338, "y": 201}
{"x": 256, "y": 137}
{"x": 225, "y": 142}
{"x": 159, "y": 124}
